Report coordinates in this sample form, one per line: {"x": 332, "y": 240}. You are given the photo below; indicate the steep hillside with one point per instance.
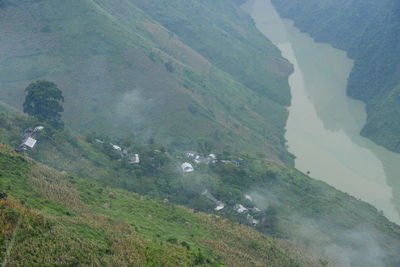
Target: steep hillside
{"x": 194, "y": 73}
{"x": 50, "y": 218}
{"x": 279, "y": 200}
{"x": 369, "y": 32}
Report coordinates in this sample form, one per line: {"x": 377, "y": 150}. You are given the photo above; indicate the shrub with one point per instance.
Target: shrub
{"x": 3, "y": 195}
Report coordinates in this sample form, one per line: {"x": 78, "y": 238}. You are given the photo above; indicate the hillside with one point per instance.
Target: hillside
{"x": 369, "y": 32}
{"x": 179, "y": 73}
{"x": 283, "y": 202}
{"x": 51, "y": 218}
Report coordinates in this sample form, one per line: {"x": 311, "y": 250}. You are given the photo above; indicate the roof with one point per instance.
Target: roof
{"x": 220, "y": 206}
{"x": 30, "y": 142}
{"x": 187, "y": 167}
{"x": 117, "y": 147}
{"x": 240, "y": 208}
{"x": 38, "y": 128}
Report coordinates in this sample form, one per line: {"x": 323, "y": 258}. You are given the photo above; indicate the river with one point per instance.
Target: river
{"x": 323, "y": 127}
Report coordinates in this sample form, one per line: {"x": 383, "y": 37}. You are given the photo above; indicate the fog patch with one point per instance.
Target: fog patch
{"x": 131, "y": 104}
{"x": 262, "y": 200}
{"x": 343, "y": 244}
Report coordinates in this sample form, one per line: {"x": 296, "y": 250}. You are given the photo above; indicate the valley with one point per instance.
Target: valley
{"x": 324, "y": 124}
{"x": 193, "y": 133}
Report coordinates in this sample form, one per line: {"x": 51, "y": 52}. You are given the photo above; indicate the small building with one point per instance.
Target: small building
{"x": 255, "y": 209}
{"x": 251, "y": 220}
{"x": 38, "y": 129}
{"x": 212, "y": 156}
{"x": 28, "y": 144}
{"x": 187, "y": 167}
{"x": 118, "y": 148}
{"x": 198, "y": 159}
{"x": 134, "y": 159}
{"x": 220, "y": 206}
{"x": 240, "y": 208}
{"x": 137, "y": 160}
{"x": 191, "y": 154}
{"x": 248, "y": 197}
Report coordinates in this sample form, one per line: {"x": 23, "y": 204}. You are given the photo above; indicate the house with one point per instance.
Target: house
{"x": 198, "y": 159}
{"x": 134, "y": 159}
{"x": 118, "y": 148}
{"x": 28, "y": 144}
{"x": 212, "y": 156}
{"x": 187, "y": 167}
{"x": 38, "y": 129}
{"x": 191, "y": 154}
{"x": 251, "y": 220}
{"x": 220, "y": 206}
{"x": 248, "y": 197}
{"x": 240, "y": 208}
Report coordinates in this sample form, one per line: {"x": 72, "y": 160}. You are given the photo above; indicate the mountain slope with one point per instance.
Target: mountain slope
{"x": 369, "y": 32}
{"x": 65, "y": 220}
{"x": 283, "y": 201}
{"x": 124, "y": 74}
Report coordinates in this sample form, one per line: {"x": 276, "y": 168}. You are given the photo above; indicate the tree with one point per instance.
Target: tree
{"x": 43, "y": 101}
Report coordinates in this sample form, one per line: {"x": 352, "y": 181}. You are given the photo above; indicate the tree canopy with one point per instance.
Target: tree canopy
{"x": 43, "y": 101}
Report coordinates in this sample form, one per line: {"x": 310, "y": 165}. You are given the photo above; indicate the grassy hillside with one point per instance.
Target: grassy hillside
{"x": 126, "y": 71}
{"x": 51, "y": 218}
{"x": 291, "y": 205}
{"x": 368, "y": 31}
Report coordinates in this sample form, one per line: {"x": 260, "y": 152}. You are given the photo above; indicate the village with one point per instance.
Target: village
{"x": 196, "y": 158}
{"x": 30, "y": 138}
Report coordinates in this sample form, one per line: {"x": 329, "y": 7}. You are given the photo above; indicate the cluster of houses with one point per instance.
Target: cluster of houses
{"x": 197, "y": 158}
{"x": 29, "y": 138}
{"x": 132, "y": 157}
{"x": 243, "y": 210}
{"x": 239, "y": 208}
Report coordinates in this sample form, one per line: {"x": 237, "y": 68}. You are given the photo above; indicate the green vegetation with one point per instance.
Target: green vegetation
{"x": 292, "y": 205}
{"x": 193, "y": 73}
{"x": 369, "y": 33}
{"x": 60, "y": 219}
{"x": 43, "y": 102}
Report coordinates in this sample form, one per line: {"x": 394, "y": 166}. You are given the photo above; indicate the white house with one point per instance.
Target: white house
{"x": 29, "y": 143}
{"x": 248, "y": 197}
{"x": 134, "y": 159}
{"x": 118, "y": 148}
{"x": 187, "y": 167}
{"x": 240, "y": 208}
{"x": 38, "y": 128}
{"x": 137, "y": 160}
{"x": 220, "y": 206}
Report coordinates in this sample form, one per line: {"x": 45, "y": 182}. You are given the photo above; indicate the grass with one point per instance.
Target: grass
{"x": 110, "y": 60}
{"x": 293, "y": 206}
{"x": 87, "y": 233}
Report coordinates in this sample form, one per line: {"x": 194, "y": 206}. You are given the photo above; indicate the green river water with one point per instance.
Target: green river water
{"x": 323, "y": 127}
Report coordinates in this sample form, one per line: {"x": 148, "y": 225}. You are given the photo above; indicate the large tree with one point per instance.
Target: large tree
{"x": 43, "y": 101}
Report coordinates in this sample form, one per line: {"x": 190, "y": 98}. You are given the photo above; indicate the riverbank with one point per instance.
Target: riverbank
{"x": 323, "y": 128}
